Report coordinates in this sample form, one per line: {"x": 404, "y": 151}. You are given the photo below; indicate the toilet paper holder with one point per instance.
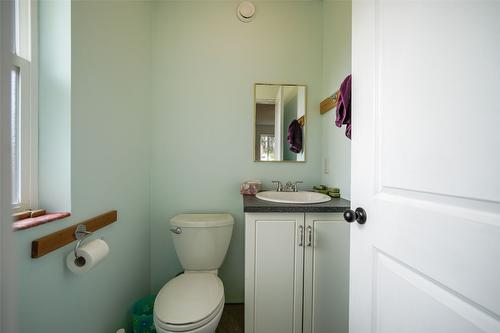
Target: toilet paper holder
{"x": 81, "y": 234}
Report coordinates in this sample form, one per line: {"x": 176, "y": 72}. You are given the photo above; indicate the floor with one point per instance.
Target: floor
{"x": 232, "y": 319}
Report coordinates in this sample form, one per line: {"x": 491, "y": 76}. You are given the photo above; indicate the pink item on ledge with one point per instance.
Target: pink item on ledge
{"x": 34, "y": 221}
{"x": 251, "y": 187}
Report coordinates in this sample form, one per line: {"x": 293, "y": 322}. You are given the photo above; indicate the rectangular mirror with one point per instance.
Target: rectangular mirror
{"x": 280, "y": 118}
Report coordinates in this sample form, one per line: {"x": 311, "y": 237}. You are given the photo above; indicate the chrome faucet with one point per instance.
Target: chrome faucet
{"x": 279, "y": 186}
{"x": 288, "y": 187}
{"x": 292, "y": 186}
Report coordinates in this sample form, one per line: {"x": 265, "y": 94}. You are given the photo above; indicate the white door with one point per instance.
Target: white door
{"x": 274, "y": 261}
{"x": 426, "y": 167}
{"x": 326, "y": 274}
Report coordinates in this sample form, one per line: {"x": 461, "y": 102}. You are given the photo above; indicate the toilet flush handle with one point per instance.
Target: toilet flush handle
{"x": 176, "y": 230}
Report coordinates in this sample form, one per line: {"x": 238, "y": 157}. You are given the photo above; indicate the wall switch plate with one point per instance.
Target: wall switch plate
{"x": 326, "y": 168}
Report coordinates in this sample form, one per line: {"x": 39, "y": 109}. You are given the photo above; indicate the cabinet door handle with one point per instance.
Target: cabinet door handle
{"x": 301, "y": 235}
{"x": 309, "y": 236}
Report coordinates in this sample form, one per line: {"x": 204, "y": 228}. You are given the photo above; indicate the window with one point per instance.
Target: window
{"x": 266, "y": 147}
{"x": 23, "y": 107}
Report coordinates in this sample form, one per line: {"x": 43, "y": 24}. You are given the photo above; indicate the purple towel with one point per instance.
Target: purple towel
{"x": 344, "y": 106}
{"x": 295, "y": 136}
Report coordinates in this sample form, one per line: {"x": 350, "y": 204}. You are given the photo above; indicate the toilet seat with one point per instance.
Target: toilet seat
{"x": 189, "y": 301}
{"x": 210, "y": 321}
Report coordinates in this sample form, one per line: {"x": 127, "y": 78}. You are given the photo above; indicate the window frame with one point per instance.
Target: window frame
{"x": 25, "y": 58}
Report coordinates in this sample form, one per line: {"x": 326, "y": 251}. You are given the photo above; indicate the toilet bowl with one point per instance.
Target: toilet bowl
{"x": 193, "y": 301}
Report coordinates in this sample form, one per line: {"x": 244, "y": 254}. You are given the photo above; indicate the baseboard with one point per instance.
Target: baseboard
{"x": 235, "y": 301}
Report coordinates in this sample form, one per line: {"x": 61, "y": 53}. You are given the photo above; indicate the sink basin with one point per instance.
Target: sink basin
{"x": 301, "y": 197}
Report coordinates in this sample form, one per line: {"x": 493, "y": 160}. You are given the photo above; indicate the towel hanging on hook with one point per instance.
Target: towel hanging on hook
{"x": 343, "y": 116}
{"x": 295, "y": 136}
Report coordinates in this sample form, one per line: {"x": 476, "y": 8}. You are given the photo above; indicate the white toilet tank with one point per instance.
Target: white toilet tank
{"x": 201, "y": 240}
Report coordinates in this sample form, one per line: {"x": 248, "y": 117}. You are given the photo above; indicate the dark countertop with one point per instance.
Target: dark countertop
{"x": 253, "y": 205}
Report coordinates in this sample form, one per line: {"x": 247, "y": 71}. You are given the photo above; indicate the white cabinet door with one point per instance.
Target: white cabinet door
{"x": 425, "y": 167}
{"x": 326, "y": 274}
{"x": 273, "y": 272}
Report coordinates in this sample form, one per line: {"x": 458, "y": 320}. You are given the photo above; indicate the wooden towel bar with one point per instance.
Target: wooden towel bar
{"x": 58, "y": 239}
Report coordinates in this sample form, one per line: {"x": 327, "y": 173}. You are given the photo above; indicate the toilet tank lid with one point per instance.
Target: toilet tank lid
{"x": 202, "y": 220}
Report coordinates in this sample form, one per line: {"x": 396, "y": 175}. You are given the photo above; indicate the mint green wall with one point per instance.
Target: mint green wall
{"x": 205, "y": 63}
{"x": 336, "y": 147}
{"x": 161, "y": 123}
{"x": 110, "y": 154}
{"x": 54, "y": 105}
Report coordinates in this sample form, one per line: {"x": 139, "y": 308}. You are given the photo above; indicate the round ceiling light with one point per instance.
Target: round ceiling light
{"x": 246, "y": 11}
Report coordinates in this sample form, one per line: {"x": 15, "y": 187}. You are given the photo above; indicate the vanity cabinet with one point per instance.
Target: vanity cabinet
{"x": 296, "y": 273}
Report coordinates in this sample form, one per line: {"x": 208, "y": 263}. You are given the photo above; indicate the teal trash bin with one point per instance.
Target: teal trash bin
{"x": 142, "y": 315}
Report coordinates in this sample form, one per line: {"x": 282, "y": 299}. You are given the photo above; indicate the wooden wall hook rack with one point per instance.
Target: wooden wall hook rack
{"x": 329, "y": 103}
{"x": 58, "y": 239}
{"x": 302, "y": 121}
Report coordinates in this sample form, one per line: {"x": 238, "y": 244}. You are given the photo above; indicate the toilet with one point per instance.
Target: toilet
{"x": 193, "y": 301}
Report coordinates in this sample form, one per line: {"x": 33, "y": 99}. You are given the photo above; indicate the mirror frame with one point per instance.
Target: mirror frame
{"x": 304, "y": 138}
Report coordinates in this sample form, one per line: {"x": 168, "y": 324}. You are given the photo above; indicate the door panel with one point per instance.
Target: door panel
{"x": 326, "y": 278}
{"x": 438, "y": 104}
{"x": 422, "y": 304}
{"x": 275, "y": 273}
{"x": 460, "y": 253}
{"x": 425, "y": 112}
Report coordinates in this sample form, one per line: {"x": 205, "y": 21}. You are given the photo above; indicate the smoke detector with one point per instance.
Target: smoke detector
{"x": 246, "y": 11}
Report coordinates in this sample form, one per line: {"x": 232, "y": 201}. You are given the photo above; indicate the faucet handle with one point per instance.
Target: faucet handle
{"x": 296, "y": 185}
{"x": 279, "y": 186}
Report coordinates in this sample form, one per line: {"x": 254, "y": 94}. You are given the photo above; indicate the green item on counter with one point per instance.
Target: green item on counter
{"x": 334, "y": 189}
{"x": 320, "y": 187}
{"x": 323, "y": 191}
{"x": 334, "y": 194}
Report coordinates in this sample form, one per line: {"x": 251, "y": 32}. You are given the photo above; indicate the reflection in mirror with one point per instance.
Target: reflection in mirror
{"x": 280, "y": 114}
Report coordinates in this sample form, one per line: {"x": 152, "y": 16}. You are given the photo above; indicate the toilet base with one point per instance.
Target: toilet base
{"x": 209, "y": 327}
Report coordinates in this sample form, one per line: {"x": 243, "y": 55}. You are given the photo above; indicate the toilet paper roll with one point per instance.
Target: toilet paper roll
{"x": 89, "y": 255}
